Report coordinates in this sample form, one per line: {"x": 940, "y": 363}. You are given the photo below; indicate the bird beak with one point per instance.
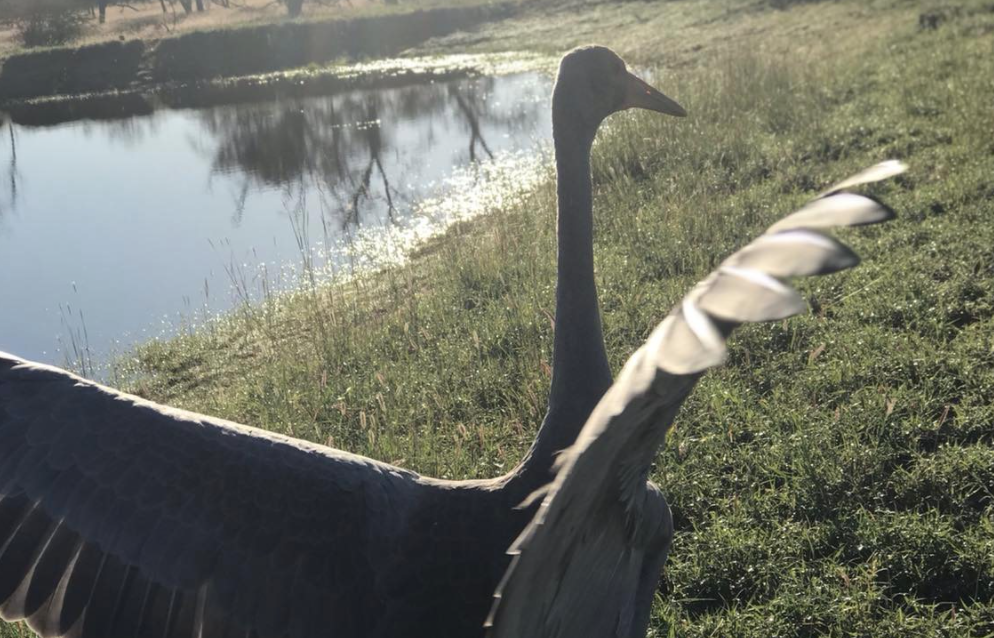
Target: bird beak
{"x": 639, "y": 95}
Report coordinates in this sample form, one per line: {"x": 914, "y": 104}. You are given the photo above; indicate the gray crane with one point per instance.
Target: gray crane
{"x": 121, "y": 518}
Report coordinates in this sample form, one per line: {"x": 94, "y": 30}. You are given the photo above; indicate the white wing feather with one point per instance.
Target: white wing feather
{"x": 876, "y": 173}
{"x": 842, "y": 209}
{"x": 794, "y": 253}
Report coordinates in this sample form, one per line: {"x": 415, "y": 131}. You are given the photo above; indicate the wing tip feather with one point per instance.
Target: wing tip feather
{"x": 878, "y": 172}
{"x": 705, "y": 306}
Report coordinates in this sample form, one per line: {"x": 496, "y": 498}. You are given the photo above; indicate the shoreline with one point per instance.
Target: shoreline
{"x": 295, "y": 83}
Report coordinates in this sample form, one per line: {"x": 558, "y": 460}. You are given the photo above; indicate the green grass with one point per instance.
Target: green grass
{"x": 836, "y": 477}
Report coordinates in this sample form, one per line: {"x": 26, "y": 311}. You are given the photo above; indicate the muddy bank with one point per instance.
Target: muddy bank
{"x": 200, "y": 56}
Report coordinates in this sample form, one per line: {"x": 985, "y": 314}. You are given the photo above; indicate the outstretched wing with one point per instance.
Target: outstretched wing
{"x": 121, "y": 518}
{"x": 577, "y": 565}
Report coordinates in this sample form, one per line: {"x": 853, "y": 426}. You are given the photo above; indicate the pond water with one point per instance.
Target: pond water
{"x": 113, "y": 231}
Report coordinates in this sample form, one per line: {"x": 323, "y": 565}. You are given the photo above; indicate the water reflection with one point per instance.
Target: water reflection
{"x": 132, "y": 218}
{"x": 349, "y": 146}
{"x": 9, "y": 200}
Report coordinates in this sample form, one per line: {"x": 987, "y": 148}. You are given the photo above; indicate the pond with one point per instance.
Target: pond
{"x": 120, "y": 229}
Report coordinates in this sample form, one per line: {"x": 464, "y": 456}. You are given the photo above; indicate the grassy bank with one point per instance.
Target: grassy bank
{"x": 837, "y": 476}
{"x": 209, "y": 55}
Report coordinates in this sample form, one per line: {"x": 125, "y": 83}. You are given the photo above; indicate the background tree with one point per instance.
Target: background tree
{"x": 293, "y": 7}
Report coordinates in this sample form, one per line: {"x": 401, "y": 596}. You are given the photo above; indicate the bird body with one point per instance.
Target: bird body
{"x": 177, "y": 520}
{"x": 290, "y": 537}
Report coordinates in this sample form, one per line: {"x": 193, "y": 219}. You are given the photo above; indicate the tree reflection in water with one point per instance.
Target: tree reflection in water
{"x": 368, "y": 154}
{"x": 12, "y": 173}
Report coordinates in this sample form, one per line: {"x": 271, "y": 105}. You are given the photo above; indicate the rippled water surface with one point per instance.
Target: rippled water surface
{"x": 113, "y": 231}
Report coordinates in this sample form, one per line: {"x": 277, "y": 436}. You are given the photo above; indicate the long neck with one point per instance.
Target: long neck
{"x": 580, "y": 371}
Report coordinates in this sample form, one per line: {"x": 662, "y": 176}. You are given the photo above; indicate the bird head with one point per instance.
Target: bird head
{"x": 594, "y": 82}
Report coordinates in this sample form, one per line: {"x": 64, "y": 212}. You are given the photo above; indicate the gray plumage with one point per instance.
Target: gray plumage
{"x": 579, "y": 566}
{"x": 121, "y": 518}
